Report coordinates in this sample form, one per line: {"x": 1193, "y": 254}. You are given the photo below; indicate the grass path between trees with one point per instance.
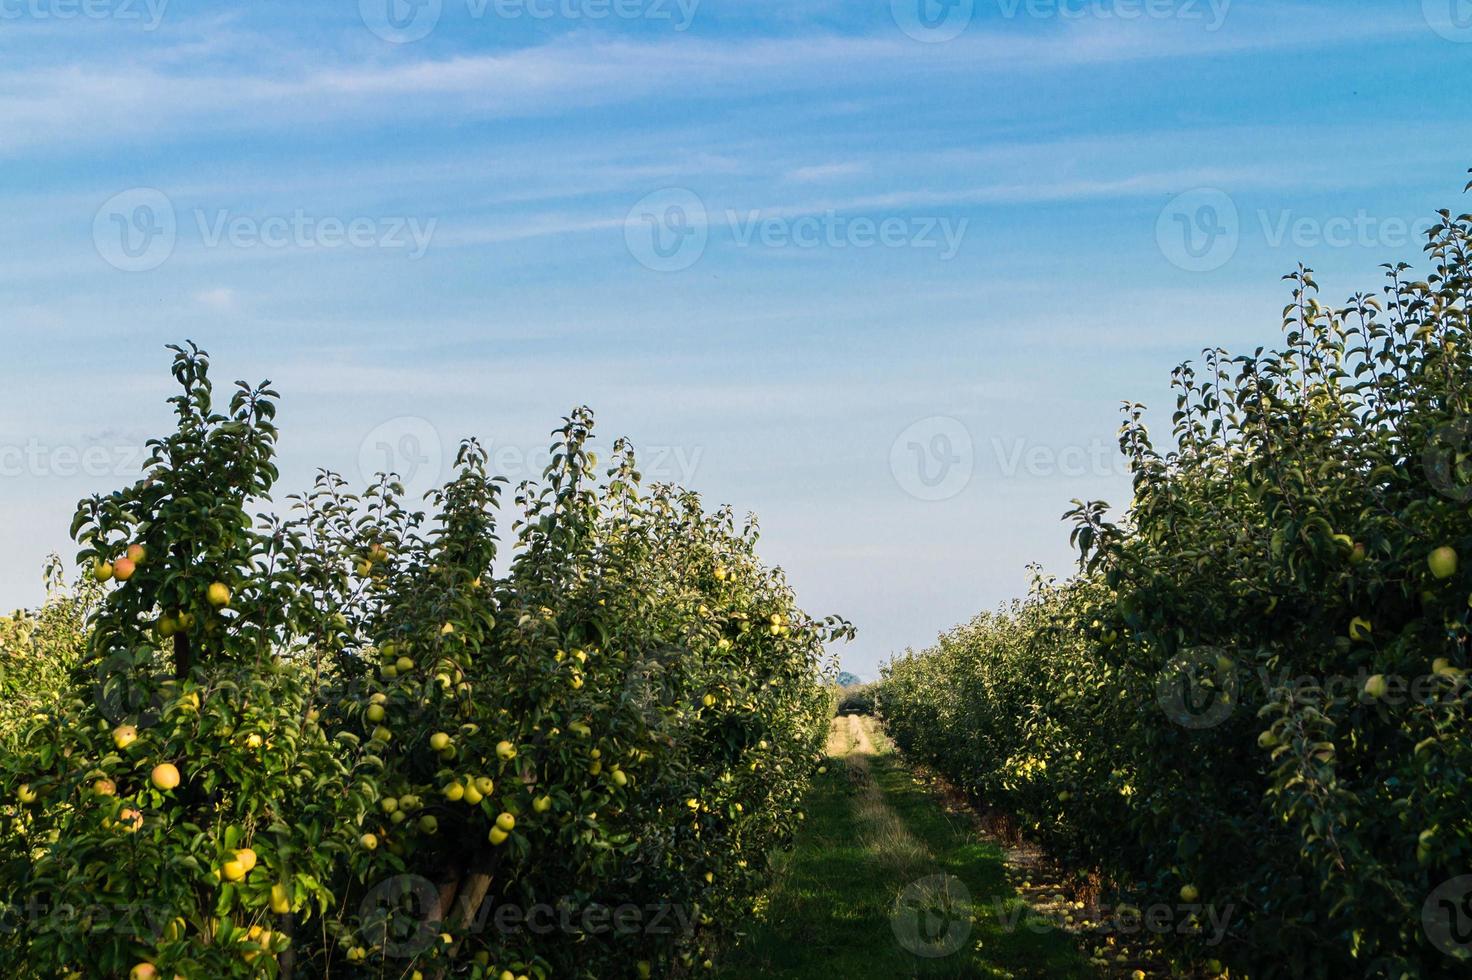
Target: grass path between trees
{"x": 883, "y": 882}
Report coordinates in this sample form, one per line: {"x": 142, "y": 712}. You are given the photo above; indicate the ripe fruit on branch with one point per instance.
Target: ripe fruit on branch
{"x": 1443, "y": 562}
{"x": 165, "y": 776}
{"x": 1376, "y": 687}
{"x": 123, "y": 569}
{"x": 218, "y": 595}
{"x": 102, "y": 571}
{"x": 124, "y": 736}
{"x": 439, "y": 741}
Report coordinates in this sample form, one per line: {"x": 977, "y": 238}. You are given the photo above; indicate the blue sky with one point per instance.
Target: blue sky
{"x": 882, "y": 279}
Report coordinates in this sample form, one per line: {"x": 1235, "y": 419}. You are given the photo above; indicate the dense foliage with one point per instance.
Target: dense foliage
{"x": 39, "y": 648}
{"x": 1252, "y": 702}
{"x": 346, "y": 741}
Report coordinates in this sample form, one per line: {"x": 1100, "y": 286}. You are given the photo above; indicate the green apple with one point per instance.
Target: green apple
{"x": 1443, "y": 562}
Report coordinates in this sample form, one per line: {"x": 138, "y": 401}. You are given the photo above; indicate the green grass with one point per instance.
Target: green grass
{"x": 871, "y": 832}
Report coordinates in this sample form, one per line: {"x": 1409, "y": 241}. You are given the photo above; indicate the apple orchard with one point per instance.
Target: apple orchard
{"x": 336, "y": 741}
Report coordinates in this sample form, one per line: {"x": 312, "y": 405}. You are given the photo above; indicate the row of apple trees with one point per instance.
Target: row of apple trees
{"x": 347, "y": 740}
{"x": 1249, "y": 710}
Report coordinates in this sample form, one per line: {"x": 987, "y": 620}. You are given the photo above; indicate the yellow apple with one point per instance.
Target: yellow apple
{"x": 369, "y": 842}
{"x": 143, "y": 971}
{"x": 439, "y": 741}
{"x": 497, "y": 836}
{"x": 105, "y": 787}
{"x": 506, "y": 822}
{"x": 1189, "y": 894}
{"x": 1376, "y": 686}
{"x": 376, "y": 713}
{"x": 280, "y": 900}
{"x": 165, "y": 776}
{"x": 218, "y": 595}
{"x": 506, "y": 751}
{"x": 454, "y": 792}
{"x": 102, "y": 571}
{"x": 124, "y": 736}
{"x": 472, "y": 795}
{"x": 485, "y": 784}
{"x": 25, "y": 794}
{"x": 542, "y": 804}
{"x": 136, "y": 553}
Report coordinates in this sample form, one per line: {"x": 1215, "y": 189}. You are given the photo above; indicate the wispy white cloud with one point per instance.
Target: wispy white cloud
{"x": 50, "y": 105}
{"x": 828, "y": 171}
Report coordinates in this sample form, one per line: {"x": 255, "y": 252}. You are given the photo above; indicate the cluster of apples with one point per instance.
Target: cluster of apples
{"x": 124, "y": 567}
